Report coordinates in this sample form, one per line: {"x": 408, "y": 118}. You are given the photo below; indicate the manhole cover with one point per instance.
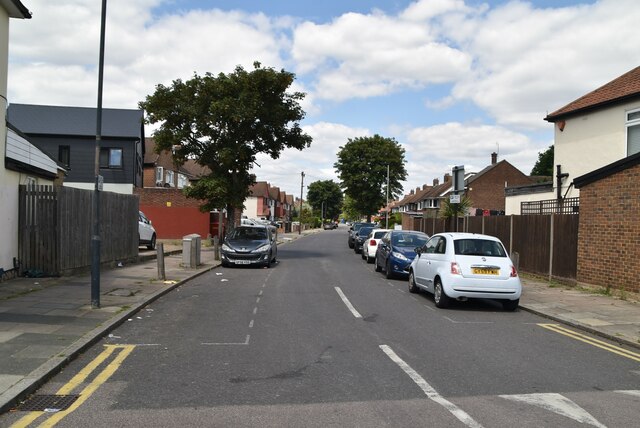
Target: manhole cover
{"x": 48, "y": 403}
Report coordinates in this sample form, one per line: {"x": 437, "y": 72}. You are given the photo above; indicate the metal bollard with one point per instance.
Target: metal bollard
{"x": 160, "y": 259}
{"x": 216, "y": 248}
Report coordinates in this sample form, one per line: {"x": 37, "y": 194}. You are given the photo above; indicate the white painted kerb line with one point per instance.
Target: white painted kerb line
{"x": 431, "y": 393}
{"x": 348, "y": 303}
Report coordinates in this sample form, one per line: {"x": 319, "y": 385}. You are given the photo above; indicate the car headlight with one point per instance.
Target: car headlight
{"x": 227, "y": 248}
{"x": 262, "y": 248}
{"x": 399, "y": 256}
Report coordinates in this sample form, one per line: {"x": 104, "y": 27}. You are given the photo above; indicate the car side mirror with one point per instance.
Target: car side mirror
{"x": 418, "y": 250}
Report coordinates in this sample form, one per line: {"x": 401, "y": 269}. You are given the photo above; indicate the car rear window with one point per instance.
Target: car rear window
{"x": 379, "y": 235}
{"x": 479, "y": 247}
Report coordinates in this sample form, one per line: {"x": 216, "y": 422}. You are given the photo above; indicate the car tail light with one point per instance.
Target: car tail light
{"x": 373, "y": 243}
{"x": 455, "y": 269}
{"x": 514, "y": 272}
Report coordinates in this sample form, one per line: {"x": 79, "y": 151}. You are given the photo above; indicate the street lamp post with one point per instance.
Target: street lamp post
{"x": 388, "y": 210}
{"x": 95, "y": 237}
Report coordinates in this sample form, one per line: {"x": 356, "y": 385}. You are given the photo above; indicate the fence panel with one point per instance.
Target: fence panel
{"x": 565, "y": 246}
{"x": 532, "y": 243}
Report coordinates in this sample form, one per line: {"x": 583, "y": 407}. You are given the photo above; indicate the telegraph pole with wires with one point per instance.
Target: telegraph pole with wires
{"x": 300, "y": 214}
{"x": 388, "y": 209}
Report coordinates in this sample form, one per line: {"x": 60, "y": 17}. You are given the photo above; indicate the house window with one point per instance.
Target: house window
{"x": 110, "y": 157}
{"x": 159, "y": 176}
{"x": 183, "y": 181}
{"x": 170, "y": 181}
{"x": 64, "y": 155}
{"x": 633, "y": 132}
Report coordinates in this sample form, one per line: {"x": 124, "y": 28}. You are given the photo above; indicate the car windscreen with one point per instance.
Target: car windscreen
{"x": 479, "y": 247}
{"x": 408, "y": 240}
{"x": 249, "y": 233}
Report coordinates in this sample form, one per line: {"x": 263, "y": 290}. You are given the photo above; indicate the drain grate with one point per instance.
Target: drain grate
{"x": 48, "y": 403}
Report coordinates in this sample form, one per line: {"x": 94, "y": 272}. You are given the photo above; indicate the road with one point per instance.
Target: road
{"x": 320, "y": 339}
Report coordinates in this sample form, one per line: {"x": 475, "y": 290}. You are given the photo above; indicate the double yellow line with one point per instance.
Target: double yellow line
{"x": 591, "y": 341}
{"x": 78, "y": 380}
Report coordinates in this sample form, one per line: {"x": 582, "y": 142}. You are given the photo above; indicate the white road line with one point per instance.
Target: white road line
{"x": 257, "y": 300}
{"x": 251, "y": 324}
{"x": 260, "y": 293}
{"x": 559, "y": 404}
{"x": 255, "y": 310}
{"x": 431, "y": 393}
{"x": 468, "y": 322}
{"x": 629, "y": 392}
{"x": 246, "y": 342}
{"x": 348, "y": 303}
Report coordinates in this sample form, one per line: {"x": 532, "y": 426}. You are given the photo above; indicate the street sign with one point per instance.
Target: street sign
{"x": 100, "y": 182}
{"x": 454, "y": 199}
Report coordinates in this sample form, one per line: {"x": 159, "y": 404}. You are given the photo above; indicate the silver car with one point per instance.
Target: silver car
{"x": 249, "y": 245}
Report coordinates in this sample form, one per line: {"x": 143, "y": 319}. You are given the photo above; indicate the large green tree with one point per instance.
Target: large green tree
{"x": 223, "y": 122}
{"x": 544, "y": 165}
{"x": 362, "y": 168}
{"x": 325, "y": 196}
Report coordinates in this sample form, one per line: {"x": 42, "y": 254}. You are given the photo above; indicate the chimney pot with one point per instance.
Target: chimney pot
{"x": 436, "y": 182}
{"x": 494, "y": 158}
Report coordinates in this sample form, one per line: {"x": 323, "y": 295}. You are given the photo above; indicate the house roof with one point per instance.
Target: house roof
{"x": 164, "y": 159}
{"x": 607, "y": 170}
{"x": 75, "y": 121}
{"x": 618, "y": 90}
{"x": 22, "y": 155}
{"x": 16, "y": 9}
{"x": 260, "y": 189}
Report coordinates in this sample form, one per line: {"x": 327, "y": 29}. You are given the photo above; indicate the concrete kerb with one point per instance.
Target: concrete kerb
{"x": 583, "y": 327}
{"x": 46, "y": 371}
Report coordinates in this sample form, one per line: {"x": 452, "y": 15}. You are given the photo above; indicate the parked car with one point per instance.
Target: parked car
{"x": 396, "y": 251}
{"x": 371, "y": 244}
{"x": 249, "y": 245}
{"x": 353, "y": 229}
{"x": 146, "y": 232}
{"x": 359, "y": 238}
{"x": 330, "y": 225}
{"x": 464, "y": 265}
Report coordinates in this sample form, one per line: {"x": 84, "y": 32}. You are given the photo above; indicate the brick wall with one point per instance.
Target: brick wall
{"x": 173, "y": 215}
{"x": 609, "y": 231}
{"x": 487, "y": 192}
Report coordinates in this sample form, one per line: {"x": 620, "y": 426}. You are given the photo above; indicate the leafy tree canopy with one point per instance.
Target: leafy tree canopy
{"x": 544, "y": 165}
{"x": 224, "y": 122}
{"x": 362, "y": 168}
{"x": 325, "y": 194}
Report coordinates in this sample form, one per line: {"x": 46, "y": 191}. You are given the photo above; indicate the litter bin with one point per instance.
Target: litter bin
{"x": 191, "y": 245}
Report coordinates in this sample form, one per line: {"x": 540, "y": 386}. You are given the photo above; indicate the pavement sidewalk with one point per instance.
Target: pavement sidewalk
{"x": 46, "y": 322}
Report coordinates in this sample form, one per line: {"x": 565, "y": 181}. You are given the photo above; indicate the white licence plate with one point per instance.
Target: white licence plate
{"x": 243, "y": 262}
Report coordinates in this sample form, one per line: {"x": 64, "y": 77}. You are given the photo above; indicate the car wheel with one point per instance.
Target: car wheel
{"x": 268, "y": 264}
{"x": 439, "y": 296}
{"x": 362, "y": 255}
{"x": 350, "y": 244}
{"x": 152, "y": 244}
{"x": 369, "y": 260}
{"x": 510, "y": 305}
{"x": 413, "y": 288}
{"x": 387, "y": 270}
{"x": 378, "y": 268}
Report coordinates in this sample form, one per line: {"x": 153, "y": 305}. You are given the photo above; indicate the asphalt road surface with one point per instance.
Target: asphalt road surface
{"x": 320, "y": 340}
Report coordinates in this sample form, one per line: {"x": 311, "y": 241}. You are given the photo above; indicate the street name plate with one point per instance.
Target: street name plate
{"x": 454, "y": 199}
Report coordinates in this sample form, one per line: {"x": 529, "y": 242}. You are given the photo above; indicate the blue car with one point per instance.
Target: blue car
{"x": 396, "y": 251}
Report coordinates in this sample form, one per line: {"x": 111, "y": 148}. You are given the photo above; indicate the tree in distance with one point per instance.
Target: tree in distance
{"x": 325, "y": 196}
{"x": 224, "y": 122}
{"x": 544, "y": 164}
{"x": 362, "y": 169}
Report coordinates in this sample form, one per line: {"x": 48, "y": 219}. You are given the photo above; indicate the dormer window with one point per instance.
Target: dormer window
{"x": 633, "y": 132}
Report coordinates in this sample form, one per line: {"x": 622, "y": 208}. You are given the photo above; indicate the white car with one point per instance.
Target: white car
{"x": 146, "y": 232}
{"x": 370, "y": 244}
{"x": 465, "y": 265}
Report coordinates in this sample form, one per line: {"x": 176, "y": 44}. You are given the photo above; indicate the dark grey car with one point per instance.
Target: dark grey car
{"x": 249, "y": 245}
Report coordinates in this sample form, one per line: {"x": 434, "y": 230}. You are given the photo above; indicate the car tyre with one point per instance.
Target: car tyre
{"x": 413, "y": 288}
{"x": 152, "y": 244}
{"x": 362, "y": 255}
{"x": 268, "y": 263}
{"x": 378, "y": 268}
{"x": 387, "y": 270}
{"x": 439, "y": 296}
{"x": 510, "y": 305}
{"x": 370, "y": 260}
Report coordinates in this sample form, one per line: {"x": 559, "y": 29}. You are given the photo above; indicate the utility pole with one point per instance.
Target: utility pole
{"x": 300, "y": 216}
{"x": 388, "y": 210}
{"x": 95, "y": 237}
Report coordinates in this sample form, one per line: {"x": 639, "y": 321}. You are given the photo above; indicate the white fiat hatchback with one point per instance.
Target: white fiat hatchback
{"x": 465, "y": 265}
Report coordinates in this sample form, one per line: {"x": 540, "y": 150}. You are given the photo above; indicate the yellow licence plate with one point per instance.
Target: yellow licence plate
{"x": 484, "y": 271}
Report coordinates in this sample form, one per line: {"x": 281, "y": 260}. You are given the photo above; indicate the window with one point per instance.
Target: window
{"x": 170, "y": 180}
{"x": 633, "y": 132}
{"x": 183, "y": 181}
{"x": 64, "y": 155}
{"x": 110, "y": 157}
{"x": 159, "y": 176}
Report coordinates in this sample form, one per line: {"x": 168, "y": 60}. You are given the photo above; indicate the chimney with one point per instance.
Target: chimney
{"x": 417, "y": 190}
{"x": 411, "y": 192}
{"x": 494, "y": 158}
{"x": 447, "y": 177}
{"x": 424, "y": 187}
{"x": 436, "y": 182}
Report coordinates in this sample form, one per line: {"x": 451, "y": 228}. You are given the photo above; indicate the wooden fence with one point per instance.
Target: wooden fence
{"x": 55, "y": 228}
{"x": 546, "y": 244}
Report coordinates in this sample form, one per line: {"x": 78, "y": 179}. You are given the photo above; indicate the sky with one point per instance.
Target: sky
{"x": 450, "y": 80}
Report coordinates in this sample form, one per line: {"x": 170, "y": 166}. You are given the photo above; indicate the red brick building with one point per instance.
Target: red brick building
{"x": 609, "y": 230}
